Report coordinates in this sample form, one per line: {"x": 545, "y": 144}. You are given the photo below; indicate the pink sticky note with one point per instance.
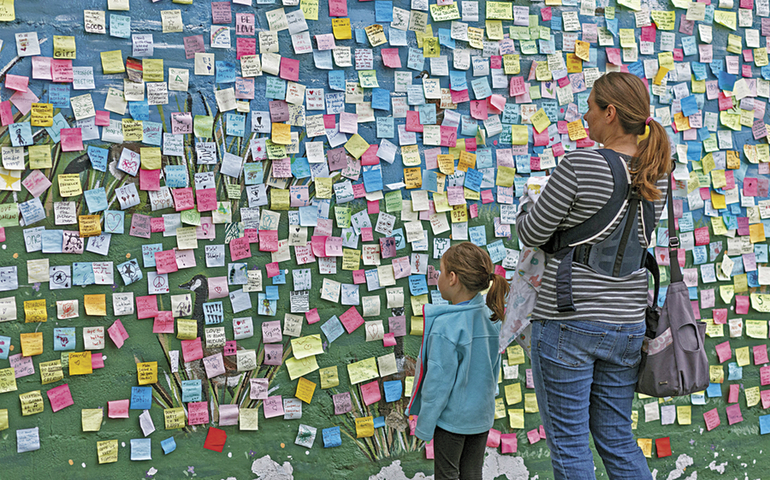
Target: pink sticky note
{"x": 164, "y": 323}
{"x": 41, "y": 68}
{"x": 149, "y": 180}
{"x": 371, "y": 392}
{"x": 719, "y": 315}
{"x": 530, "y": 380}
{"x": 389, "y": 340}
{"x": 218, "y": 287}
{"x": 16, "y": 82}
{"x": 712, "y": 419}
{"x": 146, "y": 306}
{"x": 734, "y": 414}
{"x": 165, "y": 262}
{"x": 2, "y": 234}
{"x": 60, "y": 397}
{"x": 760, "y": 354}
{"x": 102, "y": 118}
{"x": 741, "y": 304}
{"x": 207, "y": 199}
{"x": 397, "y": 325}
{"x": 493, "y": 439}
{"x": 183, "y": 198}
{"x": 735, "y": 391}
{"x": 338, "y": 8}
{"x": 372, "y": 207}
{"x": 765, "y": 396}
{"x": 312, "y": 316}
{"x": 192, "y": 350}
{"x": 430, "y": 452}
{"x": 239, "y": 249}
{"x": 231, "y": 348}
{"x": 6, "y": 115}
{"x": 508, "y": 441}
{"x": 359, "y": 277}
{"x": 764, "y": 375}
{"x": 97, "y": 360}
{"x": 157, "y": 225}
{"x": 367, "y": 235}
{"x": 36, "y": 183}
{"x": 272, "y": 269}
{"x": 268, "y": 240}
{"x": 723, "y": 351}
{"x": 289, "y": 69}
{"x": 71, "y": 140}
{"x": 118, "y": 408}
{"x": 23, "y": 101}
{"x": 351, "y": 319}
{"x": 197, "y": 413}
{"x": 118, "y": 333}
{"x": 533, "y": 436}
{"x": 273, "y": 406}
{"x": 273, "y": 354}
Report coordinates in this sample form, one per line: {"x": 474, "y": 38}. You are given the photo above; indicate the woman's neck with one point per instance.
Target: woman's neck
{"x": 622, "y": 143}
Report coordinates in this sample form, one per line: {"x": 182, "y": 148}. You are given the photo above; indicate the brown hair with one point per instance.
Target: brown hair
{"x": 629, "y": 94}
{"x": 475, "y": 270}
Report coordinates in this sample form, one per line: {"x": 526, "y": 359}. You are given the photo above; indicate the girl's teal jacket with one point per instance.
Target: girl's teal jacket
{"x": 457, "y": 371}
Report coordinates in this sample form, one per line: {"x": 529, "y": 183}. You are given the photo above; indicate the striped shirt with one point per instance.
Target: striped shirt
{"x": 578, "y": 187}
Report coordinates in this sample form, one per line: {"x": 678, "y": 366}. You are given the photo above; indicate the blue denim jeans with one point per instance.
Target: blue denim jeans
{"x": 585, "y": 374}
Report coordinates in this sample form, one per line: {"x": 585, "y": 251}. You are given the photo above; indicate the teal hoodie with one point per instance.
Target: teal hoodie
{"x": 458, "y": 370}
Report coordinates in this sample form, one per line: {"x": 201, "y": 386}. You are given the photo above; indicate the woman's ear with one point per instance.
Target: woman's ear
{"x": 610, "y": 113}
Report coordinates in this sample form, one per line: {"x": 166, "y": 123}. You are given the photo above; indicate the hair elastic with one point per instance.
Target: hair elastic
{"x": 647, "y": 122}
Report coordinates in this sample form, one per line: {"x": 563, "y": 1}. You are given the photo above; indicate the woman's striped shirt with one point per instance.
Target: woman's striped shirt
{"x": 578, "y": 187}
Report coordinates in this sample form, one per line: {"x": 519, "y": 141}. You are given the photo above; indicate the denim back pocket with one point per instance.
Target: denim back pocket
{"x": 578, "y": 346}
{"x": 633, "y": 354}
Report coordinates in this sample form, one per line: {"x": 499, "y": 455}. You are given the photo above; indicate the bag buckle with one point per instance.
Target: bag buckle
{"x": 673, "y": 242}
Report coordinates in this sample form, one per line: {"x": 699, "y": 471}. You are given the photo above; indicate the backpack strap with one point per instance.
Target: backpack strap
{"x": 601, "y": 220}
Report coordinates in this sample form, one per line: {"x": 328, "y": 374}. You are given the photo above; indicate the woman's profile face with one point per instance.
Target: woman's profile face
{"x": 593, "y": 117}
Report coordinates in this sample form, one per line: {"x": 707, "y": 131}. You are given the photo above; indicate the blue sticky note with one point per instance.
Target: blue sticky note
{"x": 27, "y": 440}
{"x": 764, "y": 424}
{"x": 398, "y": 235}
{"x": 191, "y": 391}
{"x": 379, "y": 422}
{"x": 253, "y": 172}
{"x": 430, "y": 180}
{"x": 139, "y": 110}
{"x": 337, "y": 80}
{"x": 380, "y": 99}
{"x": 458, "y": 81}
{"x": 473, "y": 180}
{"x": 496, "y": 251}
{"x": 225, "y": 72}
{"x": 5, "y": 346}
{"x": 141, "y": 449}
{"x": 418, "y": 285}
{"x": 59, "y": 95}
{"x": 734, "y": 372}
{"x": 445, "y": 38}
{"x": 52, "y": 241}
{"x": 176, "y": 175}
{"x": 120, "y": 26}
{"x": 323, "y": 59}
{"x": 141, "y": 398}
{"x": 332, "y": 328}
{"x": 637, "y": 68}
{"x": 726, "y": 81}
{"x": 372, "y": 175}
{"x": 271, "y": 292}
{"x": 308, "y": 216}
{"x": 83, "y": 273}
{"x": 478, "y": 235}
{"x": 279, "y": 279}
{"x": 714, "y": 390}
{"x": 213, "y": 313}
{"x": 753, "y": 278}
{"x": 393, "y": 390}
{"x": 98, "y": 157}
{"x": 20, "y": 134}
{"x": 360, "y": 36}
{"x": 114, "y": 221}
{"x": 689, "y": 106}
{"x": 556, "y": 23}
{"x": 332, "y": 437}
{"x": 698, "y": 398}
{"x": 427, "y": 113}
{"x": 383, "y": 11}
{"x": 130, "y": 271}
{"x": 64, "y": 339}
{"x": 698, "y": 70}
{"x": 266, "y": 306}
{"x": 300, "y": 167}
{"x": 236, "y": 125}
{"x": 96, "y": 199}
{"x": 168, "y": 445}
{"x": 275, "y": 88}
{"x": 152, "y": 133}
{"x": 32, "y": 211}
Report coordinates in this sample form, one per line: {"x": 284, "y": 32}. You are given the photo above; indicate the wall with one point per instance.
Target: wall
{"x": 271, "y": 452}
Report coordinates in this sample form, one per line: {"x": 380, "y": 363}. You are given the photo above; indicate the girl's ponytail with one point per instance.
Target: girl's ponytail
{"x": 496, "y": 296}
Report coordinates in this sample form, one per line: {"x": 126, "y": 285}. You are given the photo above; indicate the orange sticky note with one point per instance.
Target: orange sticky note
{"x": 35, "y": 311}
{"x": 31, "y": 343}
{"x": 80, "y": 363}
{"x": 95, "y": 305}
{"x": 305, "y": 389}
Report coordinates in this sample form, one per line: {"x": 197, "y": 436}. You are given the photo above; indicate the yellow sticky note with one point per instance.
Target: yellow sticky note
{"x": 91, "y": 419}
{"x": 364, "y": 427}
{"x": 540, "y": 120}
{"x": 351, "y": 259}
{"x": 31, "y": 343}
{"x": 757, "y": 233}
{"x": 64, "y": 47}
{"x": 89, "y": 225}
{"x": 307, "y": 346}
{"x": 187, "y": 238}
{"x": 299, "y": 368}
{"x": 305, "y": 390}
{"x": 515, "y": 355}
{"x": 69, "y": 184}
{"x": 646, "y": 445}
{"x": 281, "y": 134}
{"x": 756, "y": 329}
{"x": 7, "y": 380}
{"x": 520, "y": 134}
{"x": 280, "y": 199}
{"x": 4, "y": 419}
{"x": 31, "y": 403}
{"x": 416, "y": 326}
{"x": 309, "y": 8}
{"x": 174, "y": 418}
{"x": 96, "y": 304}
{"x": 530, "y": 403}
{"x": 80, "y": 363}
{"x": 516, "y": 417}
{"x": 152, "y": 70}
{"x": 413, "y": 178}
{"x": 341, "y": 29}
{"x": 35, "y": 311}
{"x": 499, "y": 409}
{"x": 716, "y": 374}
{"x": 51, "y": 372}
{"x": 582, "y": 50}
{"x": 356, "y": 146}
{"x": 147, "y": 373}
{"x": 662, "y": 71}
{"x": 151, "y": 158}
{"x": 112, "y": 62}
{"x": 363, "y": 370}
{"x": 107, "y": 451}
{"x": 513, "y": 393}
{"x": 42, "y": 115}
{"x": 634, "y": 419}
{"x": 40, "y": 155}
{"x": 186, "y": 329}
{"x": 132, "y": 130}
{"x": 752, "y": 396}
{"x": 7, "y": 14}
{"x": 329, "y": 377}
{"x": 505, "y": 176}
{"x": 248, "y": 419}
{"x": 684, "y": 414}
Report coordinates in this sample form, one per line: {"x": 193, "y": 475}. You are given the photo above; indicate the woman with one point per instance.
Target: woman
{"x": 585, "y": 361}
{"x": 454, "y": 392}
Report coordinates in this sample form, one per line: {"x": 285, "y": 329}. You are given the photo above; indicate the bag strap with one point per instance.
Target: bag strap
{"x": 673, "y": 239}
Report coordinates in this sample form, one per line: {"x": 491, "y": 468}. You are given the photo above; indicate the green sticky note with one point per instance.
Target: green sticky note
{"x": 9, "y": 215}
{"x": 191, "y": 217}
{"x": 342, "y": 214}
{"x": 203, "y": 126}
{"x": 393, "y": 201}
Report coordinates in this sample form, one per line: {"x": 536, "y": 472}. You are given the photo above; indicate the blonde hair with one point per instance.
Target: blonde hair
{"x": 475, "y": 271}
{"x": 629, "y": 94}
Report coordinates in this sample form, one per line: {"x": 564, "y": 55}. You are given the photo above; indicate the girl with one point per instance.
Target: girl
{"x": 454, "y": 392}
